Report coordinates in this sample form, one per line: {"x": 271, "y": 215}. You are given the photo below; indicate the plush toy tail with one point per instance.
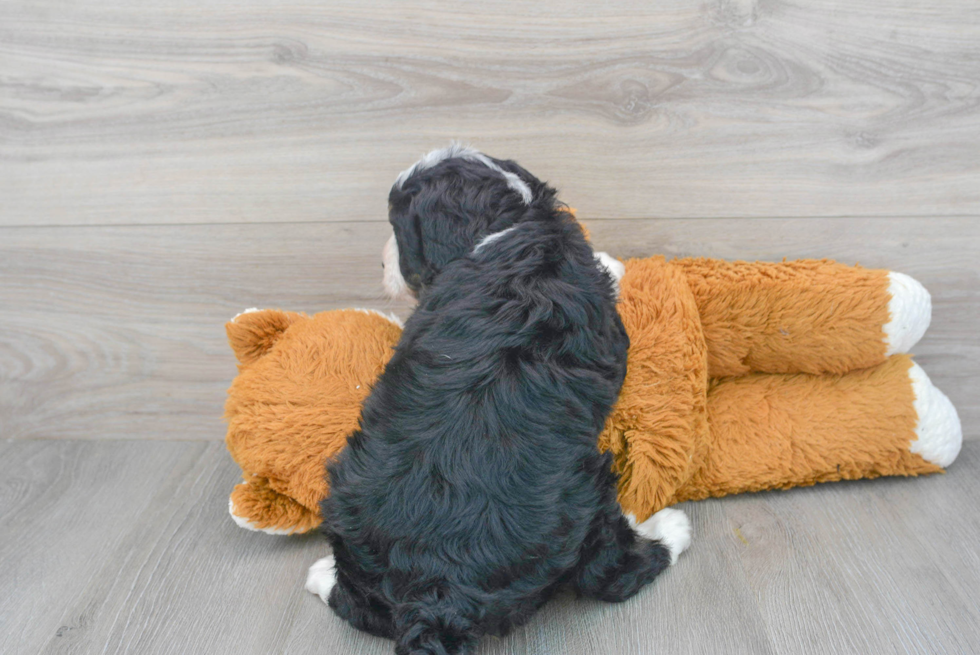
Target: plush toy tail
{"x": 803, "y": 316}
{"x": 780, "y": 431}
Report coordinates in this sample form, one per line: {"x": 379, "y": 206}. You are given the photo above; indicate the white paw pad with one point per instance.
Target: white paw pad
{"x": 321, "y": 578}
{"x": 939, "y": 431}
{"x": 909, "y": 311}
{"x": 671, "y": 527}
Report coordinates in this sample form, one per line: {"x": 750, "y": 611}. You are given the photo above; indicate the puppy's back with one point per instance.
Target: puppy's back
{"x": 475, "y": 477}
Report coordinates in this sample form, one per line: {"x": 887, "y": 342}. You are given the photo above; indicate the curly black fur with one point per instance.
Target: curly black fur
{"x": 474, "y": 489}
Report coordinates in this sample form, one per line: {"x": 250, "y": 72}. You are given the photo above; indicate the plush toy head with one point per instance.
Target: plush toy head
{"x": 297, "y": 396}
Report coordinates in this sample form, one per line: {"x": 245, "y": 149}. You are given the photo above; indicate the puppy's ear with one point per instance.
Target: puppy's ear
{"x": 414, "y": 266}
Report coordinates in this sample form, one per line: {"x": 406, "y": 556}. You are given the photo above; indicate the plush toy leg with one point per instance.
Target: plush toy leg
{"x": 803, "y": 316}
{"x": 780, "y": 431}
{"x": 254, "y": 505}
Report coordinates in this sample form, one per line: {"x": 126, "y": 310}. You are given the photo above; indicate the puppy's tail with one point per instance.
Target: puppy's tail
{"x": 433, "y": 628}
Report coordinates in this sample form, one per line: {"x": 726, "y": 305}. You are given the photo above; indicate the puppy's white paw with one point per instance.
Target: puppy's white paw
{"x": 671, "y": 527}
{"x": 321, "y": 578}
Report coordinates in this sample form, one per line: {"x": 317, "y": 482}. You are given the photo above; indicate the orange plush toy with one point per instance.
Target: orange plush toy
{"x": 741, "y": 377}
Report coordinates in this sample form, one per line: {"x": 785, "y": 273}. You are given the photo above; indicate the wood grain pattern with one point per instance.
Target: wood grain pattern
{"x": 118, "y": 332}
{"x": 125, "y": 547}
{"x": 121, "y": 112}
{"x": 834, "y": 566}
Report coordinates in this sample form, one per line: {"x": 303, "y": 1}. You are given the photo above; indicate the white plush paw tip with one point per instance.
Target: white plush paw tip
{"x": 940, "y": 434}
{"x": 671, "y": 527}
{"x": 243, "y": 522}
{"x": 909, "y": 311}
{"x": 321, "y": 578}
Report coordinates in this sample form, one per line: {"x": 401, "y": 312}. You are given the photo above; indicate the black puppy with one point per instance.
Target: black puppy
{"x": 474, "y": 490}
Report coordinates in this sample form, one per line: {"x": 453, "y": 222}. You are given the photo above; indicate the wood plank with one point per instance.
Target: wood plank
{"x": 700, "y": 606}
{"x": 117, "y": 332}
{"x": 127, "y": 547}
{"x": 186, "y": 579}
{"x": 120, "y": 112}
{"x": 841, "y": 568}
{"x": 66, "y": 508}
{"x": 122, "y": 547}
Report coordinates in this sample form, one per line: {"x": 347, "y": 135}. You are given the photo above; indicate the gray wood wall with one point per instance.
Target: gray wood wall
{"x": 165, "y": 165}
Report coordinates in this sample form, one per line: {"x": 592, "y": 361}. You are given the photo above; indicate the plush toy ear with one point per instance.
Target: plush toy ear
{"x": 253, "y": 332}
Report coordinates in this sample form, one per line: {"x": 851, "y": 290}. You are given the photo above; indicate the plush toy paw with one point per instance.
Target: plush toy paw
{"x": 321, "y": 578}
{"x": 255, "y": 505}
{"x": 245, "y": 522}
{"x": 939, "y": 430}
{"x": 671, "y": 527}
{"x": 909, "y": 311}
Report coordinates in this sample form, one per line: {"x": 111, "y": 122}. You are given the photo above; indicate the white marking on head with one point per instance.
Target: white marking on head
{"x": 457, "y": 150}
{"x": 939, "y": 431}
{"x": 394, "y": 283}
{"x": 490, "y": 238}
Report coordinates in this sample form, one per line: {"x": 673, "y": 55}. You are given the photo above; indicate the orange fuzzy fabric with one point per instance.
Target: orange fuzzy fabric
{"x": 781, "y": 431}
{"x": 741, "y": 377}
{"x": 658, "y": 428}
{"x": 297, "y": 396}
{"x": 805, "y": 316}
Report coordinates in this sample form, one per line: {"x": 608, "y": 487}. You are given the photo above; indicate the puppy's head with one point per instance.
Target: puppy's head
{"x": 444, "y": 205}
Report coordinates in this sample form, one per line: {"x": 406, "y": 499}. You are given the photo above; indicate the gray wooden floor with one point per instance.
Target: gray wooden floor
{"x": 165, "y": 165}
{"x": 126, "y": 547}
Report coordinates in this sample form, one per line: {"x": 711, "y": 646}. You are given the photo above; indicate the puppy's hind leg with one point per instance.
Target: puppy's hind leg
{"x": 363, "y": 613}
{"x": 618, "y": 561}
